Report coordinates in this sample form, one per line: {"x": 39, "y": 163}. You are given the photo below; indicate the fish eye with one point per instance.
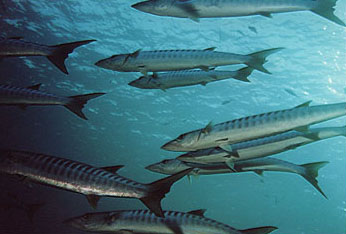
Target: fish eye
{"x": 165, "y": 161}
{"x": 181, "y": 137}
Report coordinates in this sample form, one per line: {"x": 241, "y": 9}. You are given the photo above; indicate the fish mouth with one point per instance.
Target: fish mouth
{"x": 141, "y": 6}
{"x": 99, "y": 63}
{"x": 172, "y": 146}
{"x": 133, "y": 83}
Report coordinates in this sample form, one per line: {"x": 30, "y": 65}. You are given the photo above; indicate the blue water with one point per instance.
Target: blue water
{"x": 128, "y": 125}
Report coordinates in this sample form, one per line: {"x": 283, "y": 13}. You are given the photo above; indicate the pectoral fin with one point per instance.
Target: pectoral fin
{"x": 266, "y": 14}
{"x": 230, "y": 164}
{"x": 93, "y": 200}
{"x": 303, "y": 129}
{"x": 226, "y": 147}
{"x": 204, "y": 68}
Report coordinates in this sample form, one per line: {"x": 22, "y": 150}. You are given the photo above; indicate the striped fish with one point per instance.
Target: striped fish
{"x": 173, "y": 79}
{"x": 256, "y": 126}
{"x": 144, "y": 221}
{"x": 195, "y": 9}
{"x": 172, "y": 60}
{"x": 23, "y": 97}
{"x": 16, "y": 47}
{"x": 85, "y": 179}
{"x": 307, "y": 171}
{"x": 263, "y": 147}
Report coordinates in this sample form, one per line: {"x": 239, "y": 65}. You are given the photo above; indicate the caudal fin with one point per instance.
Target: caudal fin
{"x": 243, "y": 73}
{"x": 259, "y": 58}
{"x": 311, "y": 173}
{"x": 158, "y": 190}
{"x": 62, "y": 51}
{"x": 77, "y": 103}
{"x": 31, "y": 210}
{"x": 259, "y": 230}
{"x": 325, "y": 8}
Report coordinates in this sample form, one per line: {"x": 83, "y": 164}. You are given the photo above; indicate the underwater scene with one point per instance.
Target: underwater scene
{"x": 173, "y": 116}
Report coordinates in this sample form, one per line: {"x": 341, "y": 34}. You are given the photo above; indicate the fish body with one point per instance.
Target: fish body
{"x": 195, "y": 9}
{"x": 82, "y": 178}
{"x": 144, "y": 221}
{"x": 31, "y": 96}
{"x": 259, "y": 165}
{"x": 256, "y": 126}
{"x": 16, "y": 47}
{"x": 188, "y": 77}
{"x": 263, "y": 147}
{"x": 172, "y": 60}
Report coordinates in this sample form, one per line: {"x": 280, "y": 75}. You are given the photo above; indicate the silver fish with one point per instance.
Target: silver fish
{"x": 262, "y": 147}
{"x": 256, "y": 126}
{"x": 195, "y": 9}
{"x": 16, "y": 47}
{"x": 168, "y": 80}
{"x": 172, "y": 60}
{"x": 82, "y": 178}
{"x": 144, "y": 221}
{"x": 307, "y": 171}
{"x": 23, "y": 97}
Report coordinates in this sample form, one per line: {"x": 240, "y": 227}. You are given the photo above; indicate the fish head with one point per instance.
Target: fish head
{"x": 168, "y": 166}
{"x": 185, "y": 142}
{"x": 140, "y": 82}
{"x": 89, "y": 221}
{"x": 116, "y": 62}
{"x": 156, "y": 7}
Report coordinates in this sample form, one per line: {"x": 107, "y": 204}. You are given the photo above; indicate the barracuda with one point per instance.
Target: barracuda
{"x": 307, "y": 171}
{"x": 82, "y": 178}
{"x": 172, "y": 60}
{"x": 144, "y": 221}
{"x": 16, "y": 47}
{"x": 262, "y": 147}
{"x": 256, "y": 126}
{"x": 31, "y": 96}
{"x": 195, "y": 9}
{"x": 168, "y": 80}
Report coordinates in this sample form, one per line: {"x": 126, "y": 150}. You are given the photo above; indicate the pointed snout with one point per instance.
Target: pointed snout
{"x": 141, "y": 6}
{"x": 133, "y": 83}
{"x": 172, "y": 146}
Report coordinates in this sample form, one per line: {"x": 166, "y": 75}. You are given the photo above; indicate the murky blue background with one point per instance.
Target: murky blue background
{"x": 128, "y": 125}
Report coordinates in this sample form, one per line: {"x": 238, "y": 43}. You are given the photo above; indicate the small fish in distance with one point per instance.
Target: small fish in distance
{"x": 173, "y": 60}
{"x": 144, "y": 221}
{"x": 85, "y": 179}
{"x": 182, "y": 78}
{"x": 196, "y": 9}
{"x": 17, "y": 47}
{"x": 32, "y": 96}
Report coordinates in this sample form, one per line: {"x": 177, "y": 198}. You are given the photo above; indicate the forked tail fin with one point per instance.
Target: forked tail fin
{"x": 259, "y": 58}
{"x": 325, "y": 8}
{"x": 311, "y": 173}
{"x": 243, "y": 73}
{"x": 77, "y": 103}
{"x": 259, "y": 230}
{"x": 62, "y": 51}
{"x": 158, "y": 190}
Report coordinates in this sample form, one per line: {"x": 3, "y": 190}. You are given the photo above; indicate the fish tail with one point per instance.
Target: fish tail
{"x": 325, "y": 8}
{"x": 77, "y": 103}
{"x": 32, "y": 209}
{"x": 158, "y": 190}
{"x": 259, "y": 58}
{"x": 62, "y": 51}
{"x": 311, "y": 173}
{"x": 242, "y": 74}
{"x": 259, "y": 230}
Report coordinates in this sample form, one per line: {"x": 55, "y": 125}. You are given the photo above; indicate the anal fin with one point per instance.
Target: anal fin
{"x": 93, "y": 200}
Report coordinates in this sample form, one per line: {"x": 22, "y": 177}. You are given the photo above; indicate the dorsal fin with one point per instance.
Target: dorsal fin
{"x": 210, "y": 48}
{"x": 199, "y": 212}
{"x": 305, "y": 104}
{"x": 34, "y": 87}
{"x": 136, "y": 53}
{"x": 112, "y": 169}
{"x": 208, "y": 128}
